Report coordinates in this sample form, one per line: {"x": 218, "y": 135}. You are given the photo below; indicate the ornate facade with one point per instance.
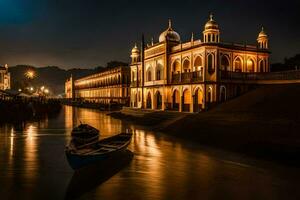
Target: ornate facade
{"x": 4, "y": 78}
{"x": 187, "y": 76}
{"x": 111, "y": 85}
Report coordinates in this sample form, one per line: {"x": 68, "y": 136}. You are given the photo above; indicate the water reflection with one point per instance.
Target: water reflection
{"x": 87, "y": 178}
{"x": 33, "y": 164}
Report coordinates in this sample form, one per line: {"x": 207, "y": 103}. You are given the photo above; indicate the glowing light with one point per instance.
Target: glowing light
{"x": 20, "y": 90}
{"x": 46, "y": 91}
{"x": 30, "y": 74}
{"x": 31, "y": 89}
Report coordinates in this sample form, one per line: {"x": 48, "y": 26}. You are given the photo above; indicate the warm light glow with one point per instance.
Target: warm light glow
{"x": 46, "y": 91}
{"x": 30, "y": 74}
{"x": 31, "y": 89}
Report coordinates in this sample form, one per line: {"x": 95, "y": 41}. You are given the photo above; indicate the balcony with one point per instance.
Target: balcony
{"x": 284, "y": 75}
{"x": 188, "y": 77}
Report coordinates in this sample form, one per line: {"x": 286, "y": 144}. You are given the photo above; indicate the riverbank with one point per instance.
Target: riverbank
{"x": 93, "y": 105}
{"x": 19, "y": 110}
{"x": 263, "y": 123}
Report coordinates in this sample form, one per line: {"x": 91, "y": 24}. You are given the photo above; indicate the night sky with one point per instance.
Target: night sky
{"x": 87, "y": 33}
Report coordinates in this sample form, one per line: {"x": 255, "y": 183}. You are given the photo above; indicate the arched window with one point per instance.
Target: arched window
{"x": 186, "y": 65}
{"x": 159, "y": 72}
{"x": 250, "y": 65}
{"x": 225, "y": 63}
{"x": 210, "y": 63}
{"x": 197, "y": 63}
{"x": 176, "y": 66}
{"x": 238, "y": 65}
{"x": 149, "y": 75}
{"x": 261, "y": 66}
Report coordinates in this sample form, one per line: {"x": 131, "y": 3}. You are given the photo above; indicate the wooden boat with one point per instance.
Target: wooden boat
{"x": 79, "y": 156}
{"x": 84, "y": 134}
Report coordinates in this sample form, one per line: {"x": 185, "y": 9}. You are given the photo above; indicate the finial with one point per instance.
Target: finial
{"x": 211, "y": 16}
{"x": 262, "y": 28}
{"x": 135, "y": 45}
{"x": 170, "y": 23}
{"x": 152, "y": 43}
{"x": 192, "y": 38}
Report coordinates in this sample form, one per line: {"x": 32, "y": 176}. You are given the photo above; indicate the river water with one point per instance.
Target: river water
{"x": 33, "y": 166}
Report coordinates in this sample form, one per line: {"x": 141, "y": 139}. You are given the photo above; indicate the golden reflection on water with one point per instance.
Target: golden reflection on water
{"x": 106, "y": 125}
{"x": 31, "y": 151}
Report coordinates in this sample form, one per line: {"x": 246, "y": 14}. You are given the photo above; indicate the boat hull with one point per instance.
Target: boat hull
{"x": 78, "y": 161}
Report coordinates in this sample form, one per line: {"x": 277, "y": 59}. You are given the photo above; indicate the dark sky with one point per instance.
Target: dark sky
{"x": 88, "y": 33}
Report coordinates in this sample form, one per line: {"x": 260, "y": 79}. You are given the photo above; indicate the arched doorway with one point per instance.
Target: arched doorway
{"x": 176, "y": 100}
{"x": 250, "y": 65}
{"x": 186, "y": 66}
{"x": 238, "y": 64}
{"x": 198, "y": 63}
{"x": 176, "y": 67}
{"x": 198, "y": 98}
{"x": 135, "y": 100}
{"x": 158, "y": 100}
{"x": 186, "y": 100}
{"x": 261, "y": 66}
{"x": 222, "y": 94}
{"x": 225, "y": 63}
{"x": 149, "y": 101}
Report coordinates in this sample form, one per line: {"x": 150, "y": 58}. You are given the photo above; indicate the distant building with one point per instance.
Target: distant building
{"x": 187, "y": 76}
{"x": 111, "y": 85}
{"x": 4, "y": 78}
{"x": 69, "y": 88}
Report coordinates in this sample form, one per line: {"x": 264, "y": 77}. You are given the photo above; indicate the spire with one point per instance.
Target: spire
{"x": 192, "y": 37}
{"x": 211, "y": 16}
{"x": 152, "y": 42}
{"x": 135, "y": 45}
{"x": 170, "y": 23}
{"x": 262, "y": 28}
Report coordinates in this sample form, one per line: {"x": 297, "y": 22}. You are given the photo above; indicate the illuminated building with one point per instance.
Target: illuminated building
{"x": 187, "y": 76}
{"x": 111, "y": 85}
{"x": 4, "y": 78}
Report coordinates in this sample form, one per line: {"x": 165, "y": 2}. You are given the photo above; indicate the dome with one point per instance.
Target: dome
{"x": 211, "y": 24}
{"x": 262, "y": 33}
{"x": 169, "y": 34}
{"x": 135, "y": 50}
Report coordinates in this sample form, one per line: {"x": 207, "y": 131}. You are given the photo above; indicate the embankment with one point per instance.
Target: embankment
{"x": 264, "y": 123}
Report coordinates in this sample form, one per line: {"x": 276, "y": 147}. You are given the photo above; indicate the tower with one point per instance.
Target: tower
{"x": 262, "y": 39}
{"x": 211, "y": 33}
{"x": 135, "y": 54}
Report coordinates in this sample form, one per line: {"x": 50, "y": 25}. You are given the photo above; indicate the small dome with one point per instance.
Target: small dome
{"x": 211, "y": 24}
{"x": 135, "y": 50}
{"x": 169, "y": 34}
{"x": 262, "y": 33}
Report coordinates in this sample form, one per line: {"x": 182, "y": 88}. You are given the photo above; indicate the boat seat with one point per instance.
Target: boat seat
{"x": 109, "y": 146}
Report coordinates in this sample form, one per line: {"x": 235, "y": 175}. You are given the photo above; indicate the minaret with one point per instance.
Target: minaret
{"x": 135, "y": 54}
{"x": 263, "y": 39}
{"x": 211, "y": 33}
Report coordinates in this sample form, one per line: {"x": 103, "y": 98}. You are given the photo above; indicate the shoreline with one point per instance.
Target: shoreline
{"x": 263, "y": 123}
